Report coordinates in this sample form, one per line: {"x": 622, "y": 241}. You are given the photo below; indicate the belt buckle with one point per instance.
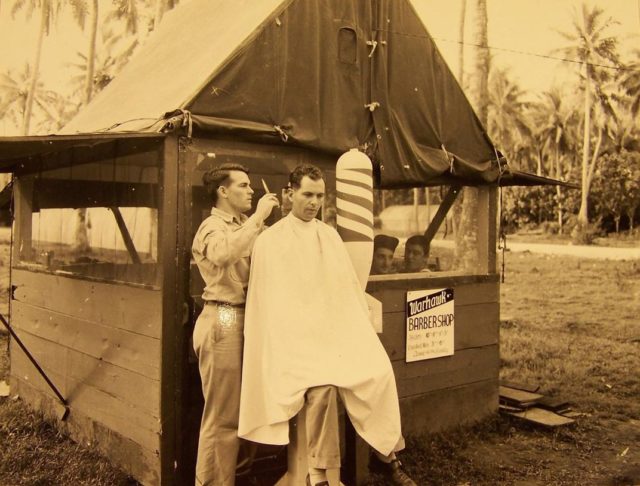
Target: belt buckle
{"x": 226, "y": 316}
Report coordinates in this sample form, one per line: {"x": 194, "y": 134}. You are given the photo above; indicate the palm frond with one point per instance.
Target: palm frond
{"x": 80, "y": 11}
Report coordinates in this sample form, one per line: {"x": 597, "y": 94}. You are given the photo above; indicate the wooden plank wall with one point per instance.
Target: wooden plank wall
{"x": 447, "y": 391}
{"x": 100, "y": 345}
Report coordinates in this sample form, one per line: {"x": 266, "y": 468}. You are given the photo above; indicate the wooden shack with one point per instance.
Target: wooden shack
{"x": 108, "y": 311}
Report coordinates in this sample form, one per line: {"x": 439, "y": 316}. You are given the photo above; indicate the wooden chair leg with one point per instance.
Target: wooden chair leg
{"x": 297, "y": 456}
{"x": 357, "y": 456}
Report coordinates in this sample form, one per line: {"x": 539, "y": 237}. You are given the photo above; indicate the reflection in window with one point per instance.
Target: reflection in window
{"x": 401, "y": 217}
{"x": 110, "y": 243}
{"x": 97, "y": 220}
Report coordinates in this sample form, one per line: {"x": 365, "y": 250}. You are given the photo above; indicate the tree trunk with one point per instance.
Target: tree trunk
{"x": 426, "y": 202}
{"x": 416, "y": 210}
{"x": 583, "y": 214}
{"x": 539, "y": 163}
{"x": 558, "y": 188}
{"x": 91, "y": 56}
{"x": 467, "y": 235}
{"x": 617, "y": 220}
{"x": 33, "y": 84}
{"x": 463, "y": 12}
{"x": 81, "y": 244}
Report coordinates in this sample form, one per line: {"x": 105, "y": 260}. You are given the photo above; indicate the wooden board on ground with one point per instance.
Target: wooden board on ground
{"x": 518, "y": 397}
{"x": 542, "y": 417}
{"x": 555, "y": 404}
{"x": 529, "y": 387}
{"x": 509, "y": 408}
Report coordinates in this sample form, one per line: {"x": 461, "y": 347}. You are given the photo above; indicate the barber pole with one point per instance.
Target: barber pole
{"x": 354, "y": 203}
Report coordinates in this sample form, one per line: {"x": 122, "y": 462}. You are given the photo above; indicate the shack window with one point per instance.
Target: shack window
{"x": 401, "y": 218}
{"x": 97, "y": 220}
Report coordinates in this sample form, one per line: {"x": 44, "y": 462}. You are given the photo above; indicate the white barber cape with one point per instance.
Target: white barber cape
{"x": 307, "y": 324}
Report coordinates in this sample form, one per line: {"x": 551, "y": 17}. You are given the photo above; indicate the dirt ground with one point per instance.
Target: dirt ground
{"x": 569, "y": 325}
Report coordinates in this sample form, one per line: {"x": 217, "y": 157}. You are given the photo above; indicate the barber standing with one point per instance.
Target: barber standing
{"x": 221, "y": 249}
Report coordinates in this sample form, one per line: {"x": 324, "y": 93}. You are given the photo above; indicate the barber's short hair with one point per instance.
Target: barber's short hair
{"x": 220, "y": 176}
{"x": 302, "y": 170}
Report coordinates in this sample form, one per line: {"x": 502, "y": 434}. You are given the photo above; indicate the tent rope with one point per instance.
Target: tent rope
{"x": 282, "y": 133}
{"x": 373, "y": 44}
{"x": 449, "y": 157}
{"x": 372, "y": 106}
{"x": 188, "y": 122}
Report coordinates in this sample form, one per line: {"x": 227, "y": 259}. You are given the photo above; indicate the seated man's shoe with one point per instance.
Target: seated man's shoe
{"x": 393, "y": 471}
{"x": 321, "y": 483}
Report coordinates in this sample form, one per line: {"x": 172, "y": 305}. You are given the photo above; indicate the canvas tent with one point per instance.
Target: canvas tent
{"x": 323, "y": 75}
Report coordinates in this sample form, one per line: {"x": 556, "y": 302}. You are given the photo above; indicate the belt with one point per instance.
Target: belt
{"x": 224, "y": 304}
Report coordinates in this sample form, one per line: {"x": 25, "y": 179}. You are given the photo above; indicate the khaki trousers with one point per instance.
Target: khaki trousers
{"x": 323, "y": 434}
{"x": 218, "y": 341}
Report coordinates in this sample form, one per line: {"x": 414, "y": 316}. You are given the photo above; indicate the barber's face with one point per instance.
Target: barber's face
{"x": 307, "y": 200}
{"x": 414, "y": 258}
{"x": 382, "y": 261}
{"x": 238, "y": 193}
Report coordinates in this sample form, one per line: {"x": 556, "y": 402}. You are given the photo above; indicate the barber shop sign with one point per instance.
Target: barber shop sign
{"x": 430, "y": 324}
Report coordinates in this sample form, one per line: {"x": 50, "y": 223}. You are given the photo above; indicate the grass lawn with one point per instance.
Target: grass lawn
{"x": 570, "y": 325}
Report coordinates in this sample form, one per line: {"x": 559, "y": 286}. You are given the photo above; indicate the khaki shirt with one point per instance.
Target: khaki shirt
{"x": 222, "y": 249}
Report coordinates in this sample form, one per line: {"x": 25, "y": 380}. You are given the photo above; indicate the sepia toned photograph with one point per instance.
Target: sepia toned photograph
{"x": 320, "y": 242}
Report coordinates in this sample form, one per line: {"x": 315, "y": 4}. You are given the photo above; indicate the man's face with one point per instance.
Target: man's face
{"x": 414, "y": 258}
{"x": 238, "y": 192}
{"x": 307, "y": 200}
{"x": 382, "y": 261}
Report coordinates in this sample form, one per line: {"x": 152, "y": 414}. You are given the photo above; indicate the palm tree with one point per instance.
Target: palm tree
{"x": 592, "y": 46}
{"x": 463, "y": 13}
{"x": 506, "y": 121}
{"x": 126, "y": 10}
{"x": 14, "y": 95}
{"x": 631, "y": 82}
{"x": 467, "y": 234}
{"x": 112, "y": 53}
{"x": 49, "y": 10}
{"x": 554, "y": 120}
{"x": 91, "y": 56}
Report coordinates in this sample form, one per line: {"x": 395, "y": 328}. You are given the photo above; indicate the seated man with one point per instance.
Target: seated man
{"x": 383, "y": 248}
{"x": 416, "y": 254}
{"x": 308, "y": 336}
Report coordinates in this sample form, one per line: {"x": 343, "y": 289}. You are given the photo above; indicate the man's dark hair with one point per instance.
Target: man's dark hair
{"x": 220, "y": 176}
{"x": 302, "y": 170}
{"x": 418, "y": 240}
